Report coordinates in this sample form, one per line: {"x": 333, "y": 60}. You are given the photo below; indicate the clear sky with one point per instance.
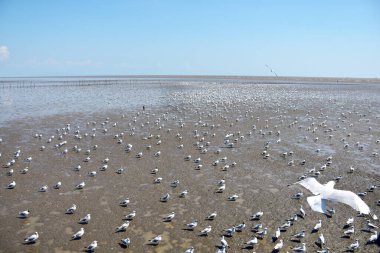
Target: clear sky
{"x": 198, "y": 37}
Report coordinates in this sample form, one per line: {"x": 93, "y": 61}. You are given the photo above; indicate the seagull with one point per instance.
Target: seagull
{"x": 349, "y": 221}
{"x": 190, "y": 250}
{"x": 31, "y": 238}
{"x": 123, "y": 227}
{"x": 349, "y": 231}
{"x": 321, "y": 240}
{"x": 318, "y": 225}
{"x": 301, "y": 248}
{"x": 327, "y": 250}
{"x": 327, "y": 192}
{"x": 154, "y": 171}
{"x": 165, "y": 197}
{"x": 80, "y": 186}
{"x": 11, "y": 185}
{"x": 24, "y": 214}
{"x": 92, "y": 246}
{"x": 192, "y": 225}
{"x": 158, "y": 180}
{"x": 124, "y": 202}
{"x": 257, "y": 216}
{"x": 299, "y": 235}
{"x": 277, "y": 234}
{"x": 240, "y": 227}
{"x": 205, "y": 231}
{"x": 43, "y": 188}
{"x": 78, "y": 234}
{"x": 221, "y": 188}
{"x": 130, "y": 216}
{"x": 354, "y": 245}
{"x": 223, "y": 242}
{"x": 278, "y": 246}
{"x": 211, "y": 216}
{"x": 125, "y": 242}
{"x": 302, "y": 212}
{"x": 286, "y": 225}
{"x": 262, "y": 232}
{"x": 85, "y": 219}
{"x": 174, "y": 183}
{"x": 373, "y": 237}
{"x": 169, "y": 217}
{"x": 57, "y": 185}
{"x": 72, "y": 209}
{"x": 370, "y": 225}
{"x": 156, "y": 240}
{"x": 257, "y": 227}
{"x": 230, "y": 231}
{"x": 252, "y": 242}
{"x": 233, "y": 197}
{"x": 183, "y": 194}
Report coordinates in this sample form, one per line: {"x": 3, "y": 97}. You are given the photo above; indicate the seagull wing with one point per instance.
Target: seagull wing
{"x": 348, "y": 198}
{"x": 312, "y": 185}
{"x": 317, "y": 204}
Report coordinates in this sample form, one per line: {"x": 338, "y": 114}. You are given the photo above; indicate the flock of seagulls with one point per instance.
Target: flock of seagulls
{"x": 212, "y": 142}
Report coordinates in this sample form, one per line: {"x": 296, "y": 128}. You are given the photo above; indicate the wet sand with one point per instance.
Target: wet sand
{"x": 336, "y": 117}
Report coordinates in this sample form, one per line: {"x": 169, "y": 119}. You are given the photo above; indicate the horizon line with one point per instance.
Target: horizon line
{"x": 200, "y": 76}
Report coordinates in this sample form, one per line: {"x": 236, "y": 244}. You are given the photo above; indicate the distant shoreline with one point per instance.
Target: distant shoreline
{"x": 280, "y": 79}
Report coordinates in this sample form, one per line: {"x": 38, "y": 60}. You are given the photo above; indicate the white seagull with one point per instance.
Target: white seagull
{"x": 24, "y": 214}
{"x": 125, "y": 242}
{"x": 327, "y": 192}
{"x": 92, "y": 246}
{"x": 85, "y": 219}
{"x": 205, "y": 231}
{"x": 79, "y": 234}
{"x": 72, "y": 209}
{"x": 123, "y": 227}
{"x": 156, "y": 240}
{"x": 31, "y": 238}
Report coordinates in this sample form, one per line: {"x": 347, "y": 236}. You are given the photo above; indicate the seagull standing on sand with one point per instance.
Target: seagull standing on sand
{"x": 156, "y": 240}
{"x": 223, "y": 242}
{"x": 78, "y": 234}
{"x": 31, "y": 238}
{"x": 169, "y": 217}
{"x": 130, "y": 216}
{"x": 85, "y": 219}
{"x": 318, "y": 225}
{"x": 125, "y": 242}
{"x": 211, "y": 216}
{"x": 72, "y": 209}
{"x": 205, "y": 231}
{"x": 24, "y": 214}
{"x": 301, "y": 248}
{"x": 190, "y": 250}
{"x": 123, "y": 227}
{"x": 92, "y": 246}
{"x": 354, "y": 245}
{"x": 278, "y": 246}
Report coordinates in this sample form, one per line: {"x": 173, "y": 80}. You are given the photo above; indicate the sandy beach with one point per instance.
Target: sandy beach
{"x": 310, "y": 122}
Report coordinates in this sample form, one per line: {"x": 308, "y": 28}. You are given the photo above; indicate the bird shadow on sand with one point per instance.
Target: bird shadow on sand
{"x": 122, "y": 246}
{"x": 152, "y": 244}
{"x": 345, "y": 237}
{"x": 275, "y": 251}
{"x": 29, "y": 243}
{"x": 247, "y": 247}
{"x": 314, "y": 231}
{"x": 366, "y": 231}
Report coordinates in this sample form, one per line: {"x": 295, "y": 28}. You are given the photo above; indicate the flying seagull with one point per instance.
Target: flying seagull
{"x": 327, "y": 192}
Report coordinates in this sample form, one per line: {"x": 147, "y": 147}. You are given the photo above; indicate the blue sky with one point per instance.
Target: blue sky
{"x": 199, "y": 37}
